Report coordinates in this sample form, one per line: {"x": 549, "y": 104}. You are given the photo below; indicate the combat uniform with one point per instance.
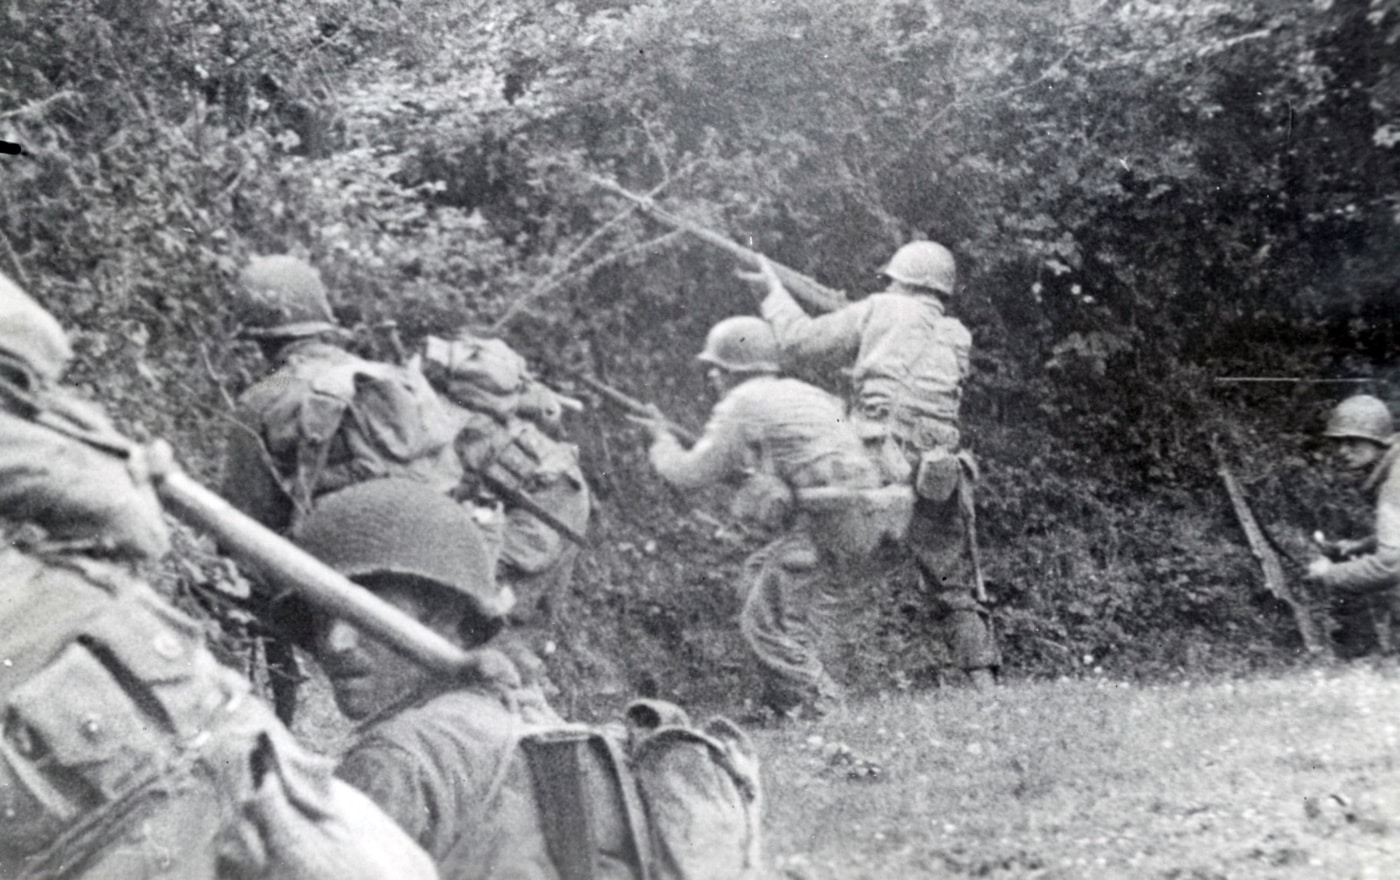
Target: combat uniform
{"x": 446, "y": 768}
{"x": 1378, "y": 569}
{"x": 294, "y": 440}
{"x": 797, "y": 433}
{"x": 910, "y": 362}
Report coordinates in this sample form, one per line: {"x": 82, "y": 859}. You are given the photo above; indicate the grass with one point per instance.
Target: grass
{"x": 1295, "y": 776}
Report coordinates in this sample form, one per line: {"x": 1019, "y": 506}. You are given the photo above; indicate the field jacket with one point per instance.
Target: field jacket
{"x": 782, "y": 427}
{"x": 910, "y": 359}
{"x": 1379, "y": 570}
{"x": 447, "y": 769}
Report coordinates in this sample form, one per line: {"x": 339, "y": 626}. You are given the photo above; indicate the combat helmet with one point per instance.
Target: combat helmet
{"x": 282, "y": 297}
{"x": 32, "y": 343}
{"x": 397, "y": 526}
{"x": 924, "y": 264}
{"x": 1361, "y": 416}
{"x": 742, "y": 344}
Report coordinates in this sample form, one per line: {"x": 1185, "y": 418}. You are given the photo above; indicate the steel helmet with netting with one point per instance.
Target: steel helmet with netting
{"x": 403, "y": 527}
{"x": 924, "y": 264}
{"x": 1361, "y": 416}
{"x": 282, "y": 297}
{"x": 742, "y": 344}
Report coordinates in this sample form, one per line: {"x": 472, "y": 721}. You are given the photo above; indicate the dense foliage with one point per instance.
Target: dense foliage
{"x": 1144, "y": 196}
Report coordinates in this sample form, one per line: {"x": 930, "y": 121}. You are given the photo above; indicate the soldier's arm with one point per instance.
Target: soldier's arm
{"x": 390, "y": 777}
{"x": 717, "y": 455}
{"x": 1378, "y": 570}
{"x": 834, "y": 336}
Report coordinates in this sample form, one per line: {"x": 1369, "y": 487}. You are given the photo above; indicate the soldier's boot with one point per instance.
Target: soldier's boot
{"x": 973, "y": 648}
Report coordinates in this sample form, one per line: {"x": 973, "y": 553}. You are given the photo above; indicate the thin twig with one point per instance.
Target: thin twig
{"x": 15, "y": 261}
{"x": 216, "y": 379}
{"x": 559, "y": 276}
{"x": 40, "y": 104}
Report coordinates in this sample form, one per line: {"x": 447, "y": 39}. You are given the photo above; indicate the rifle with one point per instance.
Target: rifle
{"x": 1292, "y": 380}
{"x": 274, "y": 556}
{"x": 505, "y": 486}
{"x": 804, "y": 287}
{"x": 632, "y": 405}
{"x": 1315, "y": 638}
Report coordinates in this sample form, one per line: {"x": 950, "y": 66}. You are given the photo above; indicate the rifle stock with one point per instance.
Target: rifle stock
{"x": 631, "y": 405}
{"x": 804, "y": 287}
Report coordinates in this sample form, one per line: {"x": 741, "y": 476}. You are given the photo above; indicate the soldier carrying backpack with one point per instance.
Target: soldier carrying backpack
{"x": 324, "y": 420}
{"x": 480, "y": 771}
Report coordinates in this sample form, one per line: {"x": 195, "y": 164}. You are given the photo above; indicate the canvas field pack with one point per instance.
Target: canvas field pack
{"x": 353, "y": 420}
{"x": 650, "y": 798}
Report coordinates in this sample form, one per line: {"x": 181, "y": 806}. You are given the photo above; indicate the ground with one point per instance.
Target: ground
{"x": 1289, "y": 776}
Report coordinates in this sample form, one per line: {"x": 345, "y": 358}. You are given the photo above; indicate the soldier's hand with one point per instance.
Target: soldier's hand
{"x": 1318, "y": 568}
{"x": 652, "y": 419}
{"x": 765, "y": 275}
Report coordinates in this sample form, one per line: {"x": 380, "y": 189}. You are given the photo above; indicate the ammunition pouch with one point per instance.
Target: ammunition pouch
{"x": 938, "y": 474}
{"x": 101, "y": 734}
{"x": 518, "y": 449}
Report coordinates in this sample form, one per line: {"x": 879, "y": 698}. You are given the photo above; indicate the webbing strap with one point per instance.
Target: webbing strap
{"x": 638, "y": 829}
{"x": 556, "y": 760}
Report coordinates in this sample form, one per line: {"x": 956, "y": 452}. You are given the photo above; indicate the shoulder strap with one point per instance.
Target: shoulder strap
{"x": 559, "y": 761}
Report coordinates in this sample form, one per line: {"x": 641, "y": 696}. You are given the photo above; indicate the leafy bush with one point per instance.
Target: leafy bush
{"x": 1143, "y": 196}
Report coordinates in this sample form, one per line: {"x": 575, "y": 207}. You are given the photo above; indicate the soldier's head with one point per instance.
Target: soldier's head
{"x": 48, "y": 474}
{"x": 281, "y": 299}
{"x": 420, "y": 552}
{"x": 922, "y": 267}
{"x": 1362, "y": 428}
{"x": 737, "y": 349}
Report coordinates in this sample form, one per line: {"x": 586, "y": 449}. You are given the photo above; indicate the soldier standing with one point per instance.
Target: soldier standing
{"x": 325, "y": 419}
{"x": 778, "y": 435}
{"x": 1367, "y": 568}
{"x": 435, "y": 753}
{"x": 909, "y": 362}
{"x": 128, "y": 751}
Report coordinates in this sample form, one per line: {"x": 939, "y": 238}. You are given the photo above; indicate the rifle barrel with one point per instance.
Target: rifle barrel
{"x": 805, "y": 287}
{"x": 632, "y": 405}
{"x": 308, "y": 576}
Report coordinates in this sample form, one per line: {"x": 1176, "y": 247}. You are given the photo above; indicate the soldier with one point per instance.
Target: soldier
{"x": 910, "y": 360}
{"x": 436, "y": 754}
{"x": 780, "y": 435}
{"x": 1368, "y": 568}
{"x": 325, "y": 419}
{"x": 128, "y": 751}
{"x": 291, "y": 441}
{"x": 507, "y": 425}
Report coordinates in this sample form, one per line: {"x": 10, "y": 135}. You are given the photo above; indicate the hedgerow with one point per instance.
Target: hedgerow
{"x": 1145, "y": 197}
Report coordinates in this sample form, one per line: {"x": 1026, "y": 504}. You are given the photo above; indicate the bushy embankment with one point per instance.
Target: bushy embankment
{"x": 1144, "y": 197}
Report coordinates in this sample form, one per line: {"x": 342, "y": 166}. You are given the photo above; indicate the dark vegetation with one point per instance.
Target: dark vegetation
{"x": 1144, "y": 196}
